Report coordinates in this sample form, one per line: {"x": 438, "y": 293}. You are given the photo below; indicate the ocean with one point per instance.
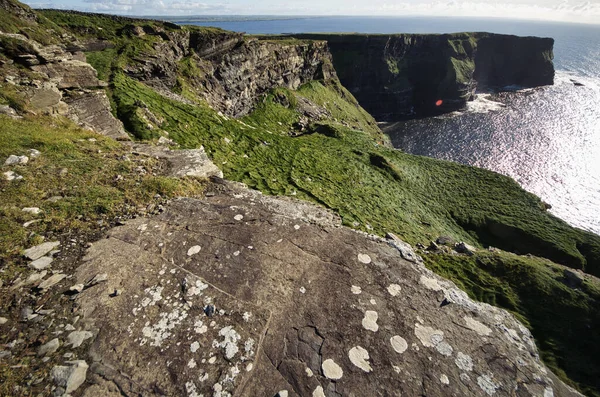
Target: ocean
{"x": 547, "y": 139}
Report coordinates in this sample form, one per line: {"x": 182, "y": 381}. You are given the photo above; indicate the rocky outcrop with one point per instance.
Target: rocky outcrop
{"x": 228, "y": 70}
{"x": 91, "y": 109}
{"x": 413, "y": 75}
{"x": 242, "y": 294}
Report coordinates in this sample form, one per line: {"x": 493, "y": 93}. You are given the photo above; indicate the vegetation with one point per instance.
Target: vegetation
{"x": 79, "y": 179}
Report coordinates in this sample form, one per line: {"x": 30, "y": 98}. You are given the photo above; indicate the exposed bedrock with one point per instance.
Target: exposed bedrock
{"x": 400, "y": 76}
{"x": 249, "y": 295}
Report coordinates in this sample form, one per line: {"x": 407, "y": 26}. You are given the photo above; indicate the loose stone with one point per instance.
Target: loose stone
{"x": 38, "y": 251}
{"x": 41, "y": 263}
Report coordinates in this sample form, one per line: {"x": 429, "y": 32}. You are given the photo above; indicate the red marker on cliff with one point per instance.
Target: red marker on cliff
{"x": 439, "y": 102}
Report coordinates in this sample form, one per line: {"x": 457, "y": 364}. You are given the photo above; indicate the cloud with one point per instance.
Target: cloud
{"x": 560, "y": 10}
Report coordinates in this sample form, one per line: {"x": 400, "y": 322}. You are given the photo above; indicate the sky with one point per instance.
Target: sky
{"x": 583, "y": 11}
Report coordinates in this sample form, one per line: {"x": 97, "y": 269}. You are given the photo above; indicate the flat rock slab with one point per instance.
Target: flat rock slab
{"x": 92, "y": 109}
{"x": 184, "y": 162}
{"x": 38, "y": 251}
{"x": 279, "y": 298}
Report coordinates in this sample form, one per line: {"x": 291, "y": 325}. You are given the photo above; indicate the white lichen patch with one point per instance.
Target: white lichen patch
{"x": 356, "y": 290}
{"x": 238, "y": 217}
{"x": 192, "y": 363}
{"x": 394, "y": 289}
{"x": 359, "y": 356}
{"x": 249, "y": 367}
{"x": 229, "y": 343}
{"x": 464, "y": 362}
{"x": 430, "y": 283}
{"x": 194, "y": 347}
{"x": 236, "y": 253}
{"x": 190, "y": 387}
{"x": 476, "y": 326}
{"x": 194, "y": 250}
{"x": 199, "y": 327}
{"x": 487, "y": 384}
{"x": 444, "y": 379}
{"x": 155, "y": 296}
{"x": 142, "y": 227}
{"x": 197, "y": 288}
{"x": 302, "y": 290}
{"x": 444, "y": 348}
{"x": 331, "y": 370}
{"x": 247, "y": 316}
{"x": 318, "y": 392}
{"x": 309, "y": 372}
{"x": 364, "y": 258}
{"x": 162, "y": 330}
{"x": 369, "y": 322}
{"x": 399, "y": 344}
{"x": 296, "y": 227}
{"x": 428, "y": 336}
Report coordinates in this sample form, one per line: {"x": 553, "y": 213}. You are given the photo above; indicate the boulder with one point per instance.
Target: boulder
{"x": 284, "y": 300}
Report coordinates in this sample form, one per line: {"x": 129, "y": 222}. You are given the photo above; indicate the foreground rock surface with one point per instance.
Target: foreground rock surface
{"x": 241, "y": 294}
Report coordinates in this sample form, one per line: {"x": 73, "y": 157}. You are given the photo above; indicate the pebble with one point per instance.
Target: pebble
{"x": 3, "y": 320}
{"x": 41, "y": 263}
{"x": 29, "y": 223}
{"x": 32, "y": 210}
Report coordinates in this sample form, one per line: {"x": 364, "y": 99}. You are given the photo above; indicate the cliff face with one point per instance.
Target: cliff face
{"x": 405, "y": 75}
{"x": 226, "y": 69}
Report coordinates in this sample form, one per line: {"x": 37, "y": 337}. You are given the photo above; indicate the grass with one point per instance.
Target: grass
{"x": 563, "y": 320}
{"x": 83, "y": 172}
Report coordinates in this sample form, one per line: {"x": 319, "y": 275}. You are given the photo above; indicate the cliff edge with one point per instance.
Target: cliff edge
{"x": 406, "y": 75}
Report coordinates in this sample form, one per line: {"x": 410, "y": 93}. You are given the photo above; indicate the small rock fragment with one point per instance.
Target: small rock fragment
{"x": 38, "y": 251}
{"x": 32, "y": 210}
{"x": 3, "y": 320}
{"x": 238, "y": 217}
{"x": 77, "y": 288}
{"x": 464, "y": 248}
{"x": 70, "y": 378}
{"x": 76, "y": 338}
{"x": 49, "y": 347}
{"x": 33, "y": 153}
{"x": 356, "y": 290}
{"x": 41, "y": 263}
{"x": 52, "y": 281}
{"x": 12, "y": 176}
{"x": 13, "y": 160}
{"x": 98, "y": 278}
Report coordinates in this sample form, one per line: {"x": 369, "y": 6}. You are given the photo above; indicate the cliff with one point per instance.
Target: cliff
{"x": 237, "y": 287}
{"x": 405, "y": 75}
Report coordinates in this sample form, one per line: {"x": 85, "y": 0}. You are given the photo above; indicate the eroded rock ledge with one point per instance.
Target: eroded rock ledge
{"x": 248, "y": 295}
